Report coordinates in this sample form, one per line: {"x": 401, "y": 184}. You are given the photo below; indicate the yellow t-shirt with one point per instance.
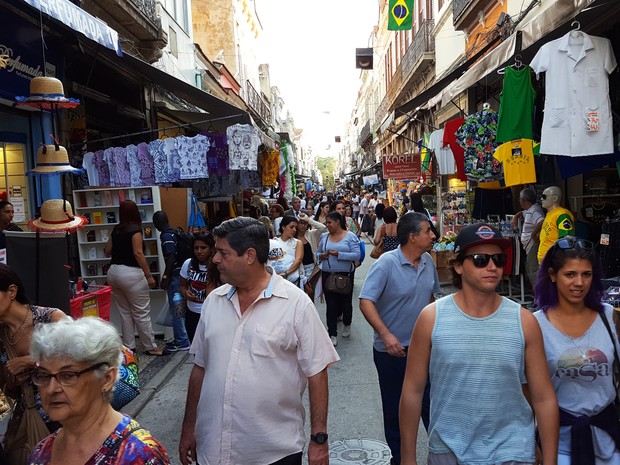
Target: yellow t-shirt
{"x": 517, "y": 157}
{"x": 559, "y": 222}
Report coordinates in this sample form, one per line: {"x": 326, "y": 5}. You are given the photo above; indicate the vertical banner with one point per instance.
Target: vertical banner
{"x": 400, "y": 15}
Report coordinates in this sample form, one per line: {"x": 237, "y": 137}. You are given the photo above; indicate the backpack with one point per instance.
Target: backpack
{"x": 185, "y": 246}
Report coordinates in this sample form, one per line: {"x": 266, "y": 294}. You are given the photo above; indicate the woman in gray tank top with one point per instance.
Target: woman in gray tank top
{"x": 580, "y": 352}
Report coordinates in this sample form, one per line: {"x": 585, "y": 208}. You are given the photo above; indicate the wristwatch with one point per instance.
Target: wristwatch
{"x": 319, "y": 438}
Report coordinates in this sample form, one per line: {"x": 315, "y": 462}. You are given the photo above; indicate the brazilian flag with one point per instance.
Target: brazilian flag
{"x": 400, "y": 15}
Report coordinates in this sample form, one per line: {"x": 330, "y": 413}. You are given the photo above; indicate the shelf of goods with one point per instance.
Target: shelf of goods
{"x": 101, "y": 208}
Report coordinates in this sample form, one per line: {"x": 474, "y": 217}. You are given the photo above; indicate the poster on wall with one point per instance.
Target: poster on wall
{"x": 19, "y": 208}
{"x": 401, "y": 167}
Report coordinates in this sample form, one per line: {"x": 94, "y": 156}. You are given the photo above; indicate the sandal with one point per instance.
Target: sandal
{"x": 152, "y": 353}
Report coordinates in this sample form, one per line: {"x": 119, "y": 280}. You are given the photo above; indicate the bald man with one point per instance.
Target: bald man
{"x": 558, "y": 222}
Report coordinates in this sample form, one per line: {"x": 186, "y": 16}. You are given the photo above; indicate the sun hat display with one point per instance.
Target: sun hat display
{"x": 57, "y": 215}
{"x": 47, "y": 93}
{"x": 478, "y": 234}
{"x": 53, "y": 159}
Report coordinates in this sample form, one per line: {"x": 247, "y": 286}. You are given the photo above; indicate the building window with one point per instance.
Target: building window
{"x": 172, "y": 41}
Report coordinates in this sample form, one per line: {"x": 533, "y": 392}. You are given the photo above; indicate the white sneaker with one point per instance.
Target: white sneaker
{"x": 346, "y": 332}
{"x": 334, "y": 340}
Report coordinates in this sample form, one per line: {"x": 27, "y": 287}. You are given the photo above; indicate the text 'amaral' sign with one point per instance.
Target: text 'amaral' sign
{"x": 401, "y": 167}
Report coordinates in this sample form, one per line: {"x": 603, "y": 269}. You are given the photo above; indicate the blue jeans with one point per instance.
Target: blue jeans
{"x": 391, "y": 372}
{"x": 178, "y": 322}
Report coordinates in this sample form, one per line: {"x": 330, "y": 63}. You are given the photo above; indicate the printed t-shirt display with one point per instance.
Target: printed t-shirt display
{"x": 243, "y": 142}
{"x": 444, "y": 156}
{"x": 577, "y": 118}
{"x": 449, "y": 139}
{"x": 517, "y": 157}
{"x": 559, "y": 222}
{"x": 516, "y": 105}
{"x": 477, "y": 137}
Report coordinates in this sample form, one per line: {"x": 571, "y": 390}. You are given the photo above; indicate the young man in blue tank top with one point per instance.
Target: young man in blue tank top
{"x": 479, "y": 350}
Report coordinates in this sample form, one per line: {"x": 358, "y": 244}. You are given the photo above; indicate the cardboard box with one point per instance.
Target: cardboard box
{"x": 441, "y": 258}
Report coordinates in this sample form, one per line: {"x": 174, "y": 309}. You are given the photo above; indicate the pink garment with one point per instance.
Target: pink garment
{"x": 147, "y": 171}
{"x": 123, "y": 173}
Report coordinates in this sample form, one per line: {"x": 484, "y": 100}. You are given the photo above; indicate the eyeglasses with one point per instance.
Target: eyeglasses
{"x": 65, "y": 378}
{"x": 481, "y": 260}
{"x": 570, "y": 242}
{"x": 543, "y": 196}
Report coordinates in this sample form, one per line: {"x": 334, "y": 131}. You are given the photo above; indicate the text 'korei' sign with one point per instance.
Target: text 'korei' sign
{"x": 401, "y": 167}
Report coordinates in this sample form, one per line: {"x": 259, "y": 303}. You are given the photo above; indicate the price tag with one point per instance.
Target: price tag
{"x": 604, "y": 239}
{"x": 592, "y": 121}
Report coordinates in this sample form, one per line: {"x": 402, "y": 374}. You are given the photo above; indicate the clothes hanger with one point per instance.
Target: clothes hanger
{"x": 518, "y": 64}
{"x": 578, "y": 25}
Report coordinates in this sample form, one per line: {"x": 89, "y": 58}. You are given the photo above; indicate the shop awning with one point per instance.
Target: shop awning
{"x": 79, "y": 20}
{"x": 209, "y": 103}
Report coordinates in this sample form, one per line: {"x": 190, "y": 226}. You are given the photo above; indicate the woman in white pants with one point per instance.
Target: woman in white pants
{"x": 130, "y": 278}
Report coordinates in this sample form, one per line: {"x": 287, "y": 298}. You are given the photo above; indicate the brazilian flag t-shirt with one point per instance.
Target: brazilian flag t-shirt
{"x": 559, "y": 222}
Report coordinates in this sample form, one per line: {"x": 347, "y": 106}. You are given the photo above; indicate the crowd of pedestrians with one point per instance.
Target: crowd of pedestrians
{"x": 492, "y": 382}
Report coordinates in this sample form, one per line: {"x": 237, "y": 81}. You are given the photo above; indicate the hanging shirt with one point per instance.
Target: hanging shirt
{"x": 173, "y": 159}
{"x": 449, "y": 139}
{"x": 270, "y": 164}
{"x": 577, "y": 119}
{"x": 477, "y": 137}
{"x": 193, "y": 156}
{"x": 102, "y": 168}
{"x": 88, "y": 163}
{"x": 444, "y": 156}
{"x": 217, "y": 155}
{"x": 425, "y": 153}
{"x": 160, "y": 161}
{"x": 108, "y": 156}
{"x": 516, "y": 105}
{"x": 134, "y": 165}
{"x": 558, "y": 223}
{"x": 123, "y": 175}
{"x": 517, "y": 158}
{"x": 243, "y": 143}
{"x": 147, "y": 164}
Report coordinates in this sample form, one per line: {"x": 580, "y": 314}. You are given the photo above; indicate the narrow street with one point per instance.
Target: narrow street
{"x": 355, "y": 422}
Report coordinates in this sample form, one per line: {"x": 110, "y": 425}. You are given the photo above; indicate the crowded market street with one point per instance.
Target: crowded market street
{"x": 355, "y": 422}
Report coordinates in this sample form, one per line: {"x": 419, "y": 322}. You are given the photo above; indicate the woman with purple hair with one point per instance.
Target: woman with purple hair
{"x": 580, "y": 348}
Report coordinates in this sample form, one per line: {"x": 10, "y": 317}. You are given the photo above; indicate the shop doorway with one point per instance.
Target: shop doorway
{"x": 13, "y": 181}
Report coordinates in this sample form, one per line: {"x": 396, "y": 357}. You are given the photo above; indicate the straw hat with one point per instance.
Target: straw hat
{"x": 53, "y": 159}
{"x": 57, "y": 215}
{"x": 47, "y": 93}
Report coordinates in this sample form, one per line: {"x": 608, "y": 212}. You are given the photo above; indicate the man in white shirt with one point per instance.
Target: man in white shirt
{"x": 258, "y": 327}
{"x": 372, "y": 203}
{"x": 355, "y": 200}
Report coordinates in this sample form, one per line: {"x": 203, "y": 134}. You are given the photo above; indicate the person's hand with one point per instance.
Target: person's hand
{"x": 150, "y": 281}
{"x": 333, "y": 252}
{"x": 189, "y": 295}
{"x": 303, "y": 216}
{"x": 187, "y": 446}
{"x": 318, "y": 454}
{"x": 393, "y": 345}
{"x": 20, "y": 367}
{"x": 165, "y": 282}
{"x": 324, "y": 256}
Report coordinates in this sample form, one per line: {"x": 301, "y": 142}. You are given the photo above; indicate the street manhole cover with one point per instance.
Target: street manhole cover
{"x": 359, "y": 451}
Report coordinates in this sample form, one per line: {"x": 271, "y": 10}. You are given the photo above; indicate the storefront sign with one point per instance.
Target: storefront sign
{"x": 401, "y": 167}
{"x": 371, "y": 180}
{"x": 79, "y": 20}
{"x": 19, "y": 208}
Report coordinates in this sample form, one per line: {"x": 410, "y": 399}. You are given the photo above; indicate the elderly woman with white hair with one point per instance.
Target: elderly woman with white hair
{"x": 77, "y": 365}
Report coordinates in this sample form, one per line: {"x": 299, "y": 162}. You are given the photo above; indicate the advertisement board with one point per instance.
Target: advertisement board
{"x": 401, "y": 167}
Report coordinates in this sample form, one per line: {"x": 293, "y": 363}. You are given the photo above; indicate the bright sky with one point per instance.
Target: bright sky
{"x": 310, "y": 48}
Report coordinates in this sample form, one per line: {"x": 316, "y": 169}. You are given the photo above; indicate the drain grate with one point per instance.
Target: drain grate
{"x": 359, "y": 451}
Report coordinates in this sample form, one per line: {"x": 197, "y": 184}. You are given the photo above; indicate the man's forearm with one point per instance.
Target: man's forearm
{"x": 193, "y": 396}
{"x": 319, "y": 401}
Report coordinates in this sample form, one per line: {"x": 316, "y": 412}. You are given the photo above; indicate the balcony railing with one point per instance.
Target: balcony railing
{"x": 458, "y": 7}
{"x": 423, "y": 42}
{"x": 148, "y": 9}
{"x": 257, "y": 104}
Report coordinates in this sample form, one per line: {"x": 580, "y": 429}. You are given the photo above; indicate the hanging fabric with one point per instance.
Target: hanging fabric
{"x": 477, "y": 137}
{"x": 193, "y": 156}
{"x": 196, "y": 220}
{"x": 243, "y": 143}
{"x": 217, "y": 155}
{"x": 516, "y": 105}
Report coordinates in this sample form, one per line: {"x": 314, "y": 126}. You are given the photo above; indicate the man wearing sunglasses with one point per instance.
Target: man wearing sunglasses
{"x": 478, "y": 349}
{"x": 558, "y": 222}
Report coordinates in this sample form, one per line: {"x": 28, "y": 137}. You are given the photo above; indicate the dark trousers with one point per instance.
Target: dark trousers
{"x": 191, "y": 323}
{"x": 337, "y": 304}
{"x": 391, "y": 372}
{"x": 293, "y": 459}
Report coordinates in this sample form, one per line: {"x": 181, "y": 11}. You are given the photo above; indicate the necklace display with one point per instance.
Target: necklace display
{"x": 20, "y": 331}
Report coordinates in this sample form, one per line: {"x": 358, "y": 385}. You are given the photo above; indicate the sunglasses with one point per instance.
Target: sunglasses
{"x": 570, "y": 242}
{"x": 481, "y": 260}
{"x": 543, "y": 196}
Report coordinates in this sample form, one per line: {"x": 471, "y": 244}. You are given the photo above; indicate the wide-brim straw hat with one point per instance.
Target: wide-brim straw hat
{"x": 57, "y": 215}
{"x": 53, "y": 159}
{"x": 47, "y": 93}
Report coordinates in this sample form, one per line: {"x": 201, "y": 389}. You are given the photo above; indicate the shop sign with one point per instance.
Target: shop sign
{"x": 80, "y": 21}
{"x": 370, "y": 180}
{"x": 401, "y": 167}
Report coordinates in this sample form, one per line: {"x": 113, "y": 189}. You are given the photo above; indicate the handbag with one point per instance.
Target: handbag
{"x": 24, "y": 431}
{"x": 338, "y": 283}
{"x": 377, "y": 250}
{"x": 127, "y": 386}
{"x": 196, "y": 220}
